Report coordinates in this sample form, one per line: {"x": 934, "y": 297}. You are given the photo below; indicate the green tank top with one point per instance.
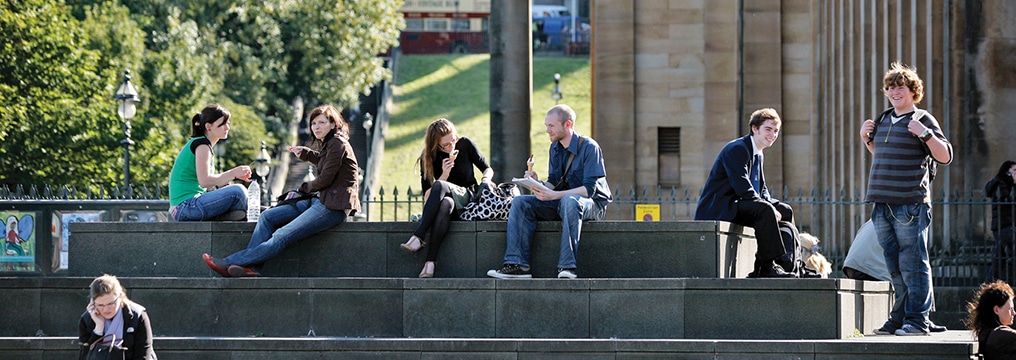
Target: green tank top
{"x": 183, "y": 180}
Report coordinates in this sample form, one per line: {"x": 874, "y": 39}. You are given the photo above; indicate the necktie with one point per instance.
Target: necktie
{"x": 756, "y": 174}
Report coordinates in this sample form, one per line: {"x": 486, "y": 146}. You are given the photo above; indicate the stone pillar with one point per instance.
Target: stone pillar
{"x": 511, "y": 86}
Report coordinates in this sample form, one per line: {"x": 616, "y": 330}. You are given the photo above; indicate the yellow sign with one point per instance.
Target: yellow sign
{"x": 647, "y": 212}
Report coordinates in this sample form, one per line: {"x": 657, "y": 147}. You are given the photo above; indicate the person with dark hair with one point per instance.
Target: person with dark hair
{"x": 906, "y": 144}
{"x": 446, "y": 176}
{"x": 576, "y": 190}
{"x": 193, "y": 173}
{"x": 328, "y": 200}
{"x": 990, "y": 317}
{"x": 111, "y": 313}
{"x": 736, "y": 191}
{"x": 1000, "y": 190}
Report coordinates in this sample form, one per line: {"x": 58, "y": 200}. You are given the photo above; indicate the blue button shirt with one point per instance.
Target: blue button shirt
{"x": 586, "y": 170}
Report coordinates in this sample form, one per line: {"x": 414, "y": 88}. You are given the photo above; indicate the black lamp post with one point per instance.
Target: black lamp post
{"x": 262, "y": 166}
{"x": 368, "y": 123}
{"x": 220, "y": 153}
{"x": 556, "y": 94}
{"x": 126, "y": 97}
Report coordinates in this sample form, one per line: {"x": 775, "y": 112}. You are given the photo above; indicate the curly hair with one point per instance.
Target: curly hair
{"x": 982, "y": 318}
{"x": 903, "y": 75}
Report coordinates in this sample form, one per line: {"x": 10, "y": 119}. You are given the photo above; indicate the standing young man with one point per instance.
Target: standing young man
{"x": 577, "y": 191}
{"x": 905, "y": 143}
{"x": 736, "y": 192}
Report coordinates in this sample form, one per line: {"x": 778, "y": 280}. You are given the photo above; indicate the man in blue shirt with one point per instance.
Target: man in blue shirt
{"x": 576, "y": 190}
{"x": 736, "y": 191}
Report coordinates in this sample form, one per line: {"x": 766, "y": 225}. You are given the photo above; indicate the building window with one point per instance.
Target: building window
{"x": 668, "y": 152}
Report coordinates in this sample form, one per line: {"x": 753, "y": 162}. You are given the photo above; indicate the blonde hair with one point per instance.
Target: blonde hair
{"x": 107, "y": 285}
{"x": 812, "y": 259}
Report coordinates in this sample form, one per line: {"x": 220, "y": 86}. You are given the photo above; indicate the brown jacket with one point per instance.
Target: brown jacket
{"x": 336, "y": 174}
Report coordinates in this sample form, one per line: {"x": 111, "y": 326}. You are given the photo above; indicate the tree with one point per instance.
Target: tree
{"x": 61, "y": 62}
{"x": 57, "y": 118}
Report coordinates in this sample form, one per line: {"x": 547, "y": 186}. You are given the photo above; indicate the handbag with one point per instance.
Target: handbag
{"x": 490, "y": 202}
{"x": 108, "y": 347}
{"x": 297, "y": 196}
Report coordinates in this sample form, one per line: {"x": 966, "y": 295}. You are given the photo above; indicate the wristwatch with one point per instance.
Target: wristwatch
{"x": 926, "y": 135}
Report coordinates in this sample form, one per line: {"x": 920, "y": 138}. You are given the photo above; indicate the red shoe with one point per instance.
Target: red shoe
{"x": 216, "y": 265}
{"x": 241, "y": 271}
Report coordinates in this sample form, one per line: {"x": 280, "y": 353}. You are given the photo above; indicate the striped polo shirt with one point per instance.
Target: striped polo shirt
{"x": 899, "y": 166}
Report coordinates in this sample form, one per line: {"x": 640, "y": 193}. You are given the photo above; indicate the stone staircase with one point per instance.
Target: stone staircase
{"x": 659, "y": 290}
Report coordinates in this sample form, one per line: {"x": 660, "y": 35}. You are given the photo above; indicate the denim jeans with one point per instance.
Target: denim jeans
{"x": 281, "y": 226}
{"x": 213, "y": 203}
{"x": 526, "y": 210}
{"x": 902, "y": 230}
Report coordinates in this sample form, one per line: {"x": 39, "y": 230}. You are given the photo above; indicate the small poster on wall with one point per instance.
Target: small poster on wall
{"x": 62, "y": 233}
{"x": 18, "y": 250}
{"x": 647, "y": 212}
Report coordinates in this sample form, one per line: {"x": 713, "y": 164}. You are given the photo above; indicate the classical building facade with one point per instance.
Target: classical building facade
{"x": 675, "y": 80}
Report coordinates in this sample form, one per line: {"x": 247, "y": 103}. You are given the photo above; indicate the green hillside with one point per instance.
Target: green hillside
{"x": 456, "y": 87}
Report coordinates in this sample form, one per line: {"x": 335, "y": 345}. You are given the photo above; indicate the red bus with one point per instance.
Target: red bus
{"x": 445, "y": 26}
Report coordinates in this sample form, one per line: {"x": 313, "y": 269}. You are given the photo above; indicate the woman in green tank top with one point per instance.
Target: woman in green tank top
{"x": 193, "y": 173}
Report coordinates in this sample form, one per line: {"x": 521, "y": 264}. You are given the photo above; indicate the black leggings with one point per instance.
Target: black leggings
{"x": 437, "y": 214}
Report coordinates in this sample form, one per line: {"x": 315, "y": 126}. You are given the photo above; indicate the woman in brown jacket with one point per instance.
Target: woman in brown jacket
{"x": 306, "y": 213}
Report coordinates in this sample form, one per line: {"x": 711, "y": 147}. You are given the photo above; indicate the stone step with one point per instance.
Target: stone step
{"x": 949, "y": 345}
{"x": 467, "y": 308}
{"x": 608, "y": 249}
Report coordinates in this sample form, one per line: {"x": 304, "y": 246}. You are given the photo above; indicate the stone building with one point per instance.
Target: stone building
{"x": 673, "y": 81}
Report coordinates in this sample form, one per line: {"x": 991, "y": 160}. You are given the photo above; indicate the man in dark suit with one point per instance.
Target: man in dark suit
{"x": 736, "y": 192}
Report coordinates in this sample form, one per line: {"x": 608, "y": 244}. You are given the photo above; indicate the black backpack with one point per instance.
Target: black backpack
{"x": 790, "y": 261}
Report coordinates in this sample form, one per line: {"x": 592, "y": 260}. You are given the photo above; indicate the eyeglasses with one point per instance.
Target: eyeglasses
{"x": 103, "y": 306}
{"x": 449, "y": 144}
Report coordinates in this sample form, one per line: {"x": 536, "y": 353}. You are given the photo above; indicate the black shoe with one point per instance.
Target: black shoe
{"x": 935, "y": 327}
{"x": 510, "y": 271}
{"x": 773, "y": 271}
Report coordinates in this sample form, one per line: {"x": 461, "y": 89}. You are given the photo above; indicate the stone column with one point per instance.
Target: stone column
{"x": 511, "y": 86}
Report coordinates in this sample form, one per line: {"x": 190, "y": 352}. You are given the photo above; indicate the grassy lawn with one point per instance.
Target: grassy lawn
{"x": 456, "y": 87}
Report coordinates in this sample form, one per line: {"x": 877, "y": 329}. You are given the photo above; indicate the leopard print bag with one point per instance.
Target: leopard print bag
{"x": 490, "y": 202}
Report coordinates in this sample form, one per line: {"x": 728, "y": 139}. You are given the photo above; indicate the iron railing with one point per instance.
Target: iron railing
{"x": 961, "y": 241}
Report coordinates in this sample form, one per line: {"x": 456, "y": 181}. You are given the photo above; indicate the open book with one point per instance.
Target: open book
{"x": 529, "y": 183}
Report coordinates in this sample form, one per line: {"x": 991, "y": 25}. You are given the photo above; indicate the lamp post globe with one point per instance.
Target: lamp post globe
{"x": 126, "y": 98}
{"x": 262, "y": 166}
{"x": 556, "y": 93}
{"x": 219, "y": 150}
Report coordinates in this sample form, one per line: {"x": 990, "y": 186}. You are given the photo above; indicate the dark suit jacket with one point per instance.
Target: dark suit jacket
{"x": 728, "y": 182}
{"x": 336, "y": 177}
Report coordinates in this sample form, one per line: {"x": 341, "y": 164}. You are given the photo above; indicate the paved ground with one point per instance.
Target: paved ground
{"x": 948, "y": 336}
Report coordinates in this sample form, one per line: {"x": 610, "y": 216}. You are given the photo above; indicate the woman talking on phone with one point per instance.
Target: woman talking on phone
{"x": 446, "y": 176}
{"x": 110, "y": 312}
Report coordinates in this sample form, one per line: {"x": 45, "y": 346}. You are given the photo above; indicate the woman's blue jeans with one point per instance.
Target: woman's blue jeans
{"x": 902, "y": 230}
{"x": 282, "y": 226}
{"x": 213, "y": 203}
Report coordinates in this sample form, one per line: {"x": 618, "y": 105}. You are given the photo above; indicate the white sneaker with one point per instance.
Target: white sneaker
{"x": 566, "y": 274}
{"x": 910, "y": 330}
